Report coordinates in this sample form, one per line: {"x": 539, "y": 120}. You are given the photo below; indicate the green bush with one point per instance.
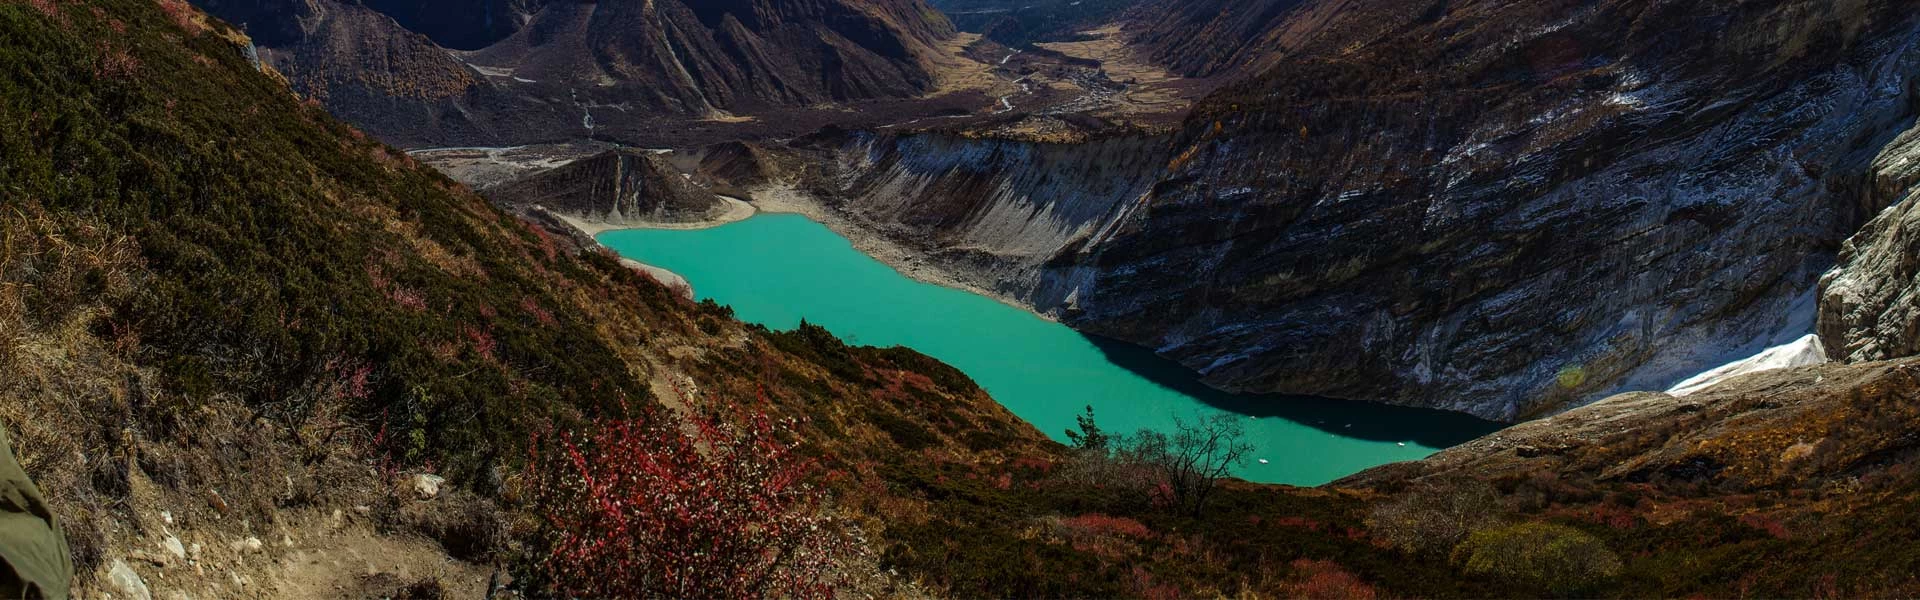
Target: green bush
{"x": 1557, "y": 558}
{"x": 1437, "y": 516}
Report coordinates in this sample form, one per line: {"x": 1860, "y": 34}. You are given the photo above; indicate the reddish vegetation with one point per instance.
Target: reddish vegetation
{"x": 641, "y": 509}
{"x": 183, "y": 15}
{"x": 49, "y": 8}
{"x": 1766, "y": 523}
{"x": 542, "y": 315}
{"x": 409, "y": 299}
{"x": 353, "y": 381}
{"x": 1323, "y": 579}
{"x": 405, "y": 297}
{"x": 114, "y": 62}
{"x": 482, "y": 341}
{"x": 1297, "y": 522}
{"x": 547, "y": 245}
{"x": 1149, "y": 588}
{"x": 1100, "y": 524}
{"x": 1042, "y": 465}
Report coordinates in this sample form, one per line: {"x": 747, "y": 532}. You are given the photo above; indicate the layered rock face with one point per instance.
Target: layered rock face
{"x": 549, "y": 70}
{"x": 1209, "y": 37}
{"x": 731, "y": 55}
{"x": 1510, "y": 208}
{"x": 385, "y": 79}
{"x": 619, "y": 187}
{"x": 993, "y": 212}
{"x": 1506, "y": 209}
{"x": 1870, "y": 302}
{"x": 461, "y": 24}
{"x": 743, "y": 164}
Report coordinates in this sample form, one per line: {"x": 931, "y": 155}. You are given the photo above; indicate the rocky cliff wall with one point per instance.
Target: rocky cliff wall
{"x": 1533, "y": 219}
{"x": 618, "y": 187}
{"x": 1870, "y": 302}
{"x": 1562, "y": 201}
{"x": 993, "y": 212}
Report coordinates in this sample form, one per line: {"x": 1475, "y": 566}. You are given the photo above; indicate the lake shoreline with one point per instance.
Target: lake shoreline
{"x": 736, "y": 210}
{"x": 907, "y": 261}
{"x": 791, "y": 267}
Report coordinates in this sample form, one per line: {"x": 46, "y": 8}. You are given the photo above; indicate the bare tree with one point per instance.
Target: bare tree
{"x": 1193, "y": 460}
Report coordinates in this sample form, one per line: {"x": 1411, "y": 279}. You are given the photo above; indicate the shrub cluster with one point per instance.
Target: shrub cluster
{"x": 649, "y": 509}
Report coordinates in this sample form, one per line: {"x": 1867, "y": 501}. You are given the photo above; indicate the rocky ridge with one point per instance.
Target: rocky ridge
{"x": 992, "y": 212}
{"x": 618, "y": 187}
{"x": 550, "y": 71}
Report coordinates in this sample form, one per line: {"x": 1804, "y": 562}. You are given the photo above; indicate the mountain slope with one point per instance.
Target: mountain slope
{"x": 232, "y": 326}
{"x": 1212, "y": 37}
{"x": 225, "y": 316}
{"x": 616, "y": 187}
{"x": 697, "y": 58}
{"x": 545, "y": 71}
{"x": 1508, "y": 209}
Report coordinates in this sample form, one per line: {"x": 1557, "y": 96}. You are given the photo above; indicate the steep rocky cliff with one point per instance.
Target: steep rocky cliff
{"x": 368, "y": 69}
{"x": 1500, "y": 208}
{"x": 1210, "y": 37}
{"x": 1870, "y": 302}
{"x": 991, "y": 211}
{"x": 743, "y": 164}
{"x": 1507, "y": 209}
{"x": 617, "y": 187}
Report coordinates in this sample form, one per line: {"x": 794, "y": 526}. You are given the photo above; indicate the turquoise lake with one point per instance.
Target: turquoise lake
{"x": 775, "y": 269}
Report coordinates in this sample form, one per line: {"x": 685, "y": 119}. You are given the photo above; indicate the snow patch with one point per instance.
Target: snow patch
{"x": 1799, "y": 353}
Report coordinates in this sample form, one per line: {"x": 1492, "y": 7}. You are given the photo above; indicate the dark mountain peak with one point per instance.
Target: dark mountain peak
{"x": 498, "y": 71}
{"x": 620, "y": 186}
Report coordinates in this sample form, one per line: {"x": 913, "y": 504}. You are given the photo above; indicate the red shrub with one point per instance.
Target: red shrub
{"x": 114, "y": 63}
{"x": 539, "y": 314}
{"x": 1765, "y": 523}
{"x": 353, "y": 379}
{"x": 49, "y": 8}
{"x": 1324, "y": 579}
{"x": 1144, "y": 583}
{"x": 481, "y": 341}
{"x": 408, "y": 299}
{"x": 183, "y": 15}
{"x": 1042, "y": 465}
{"x": 644, "y": 510}
{"x": 1297, "y": 522}
{"x": 1101, "y": 524}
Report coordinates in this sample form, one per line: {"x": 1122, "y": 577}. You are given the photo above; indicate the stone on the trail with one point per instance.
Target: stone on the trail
{"x": 251, "y": 544}
{"x": 173, "y": 546}
{"x": 427, "y": 486}
{"x": 122, "y": 577}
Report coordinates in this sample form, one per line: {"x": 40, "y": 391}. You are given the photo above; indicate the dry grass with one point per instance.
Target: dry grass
{"x": 124, "y": 465}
